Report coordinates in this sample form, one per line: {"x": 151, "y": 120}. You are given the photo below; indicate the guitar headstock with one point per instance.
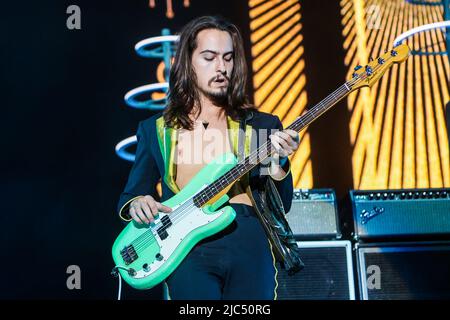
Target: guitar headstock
{"x": 368, "y": 75}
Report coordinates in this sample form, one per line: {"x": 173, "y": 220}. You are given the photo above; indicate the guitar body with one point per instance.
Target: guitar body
{"x": 151, "y": 256}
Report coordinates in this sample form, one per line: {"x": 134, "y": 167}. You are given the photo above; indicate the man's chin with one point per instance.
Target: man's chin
{"x": 217, "y": 95}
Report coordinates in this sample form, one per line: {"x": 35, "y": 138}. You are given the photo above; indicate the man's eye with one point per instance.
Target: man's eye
{"x": 228, "y": 57}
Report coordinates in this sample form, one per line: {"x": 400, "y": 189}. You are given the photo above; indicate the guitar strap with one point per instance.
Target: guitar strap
{"x": 269, "y": 209}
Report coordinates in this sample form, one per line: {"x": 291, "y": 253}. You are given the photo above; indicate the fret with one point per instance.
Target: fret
{"x": 264, "y": 151}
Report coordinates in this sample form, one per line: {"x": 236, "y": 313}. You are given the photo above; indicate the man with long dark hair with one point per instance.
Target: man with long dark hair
{"x": 206, "y": 101}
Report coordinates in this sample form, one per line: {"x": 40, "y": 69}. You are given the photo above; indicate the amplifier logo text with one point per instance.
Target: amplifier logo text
{"x": 373, "y": 277}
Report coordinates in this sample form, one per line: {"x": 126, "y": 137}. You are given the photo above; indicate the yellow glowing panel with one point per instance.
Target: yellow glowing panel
{"x": 267, "y": 55}
{"x": 397, "y": 128}
{"x": 278, "y": 72}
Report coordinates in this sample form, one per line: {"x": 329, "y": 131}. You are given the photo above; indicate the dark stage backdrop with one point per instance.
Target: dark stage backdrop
{"x": 63, "y": 113}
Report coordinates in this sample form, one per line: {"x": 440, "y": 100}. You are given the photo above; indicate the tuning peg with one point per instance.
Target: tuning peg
{"x": 393, "y": 53}
{"x": 354, "y": 75}
{"x": 369, "y": 70}
{"x": 358, "y": 67}
{"x": 380, "y": 60}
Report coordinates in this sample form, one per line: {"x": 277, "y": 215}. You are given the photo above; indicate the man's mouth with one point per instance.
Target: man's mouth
{"x": 220, "y": 81}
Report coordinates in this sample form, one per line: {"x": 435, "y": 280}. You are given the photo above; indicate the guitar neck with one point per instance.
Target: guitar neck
{"x": 265, "y": 150}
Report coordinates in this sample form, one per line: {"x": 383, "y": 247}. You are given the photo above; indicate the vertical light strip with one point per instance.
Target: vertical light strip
{"x": 362, "y": 57}
{"x": 395, "y": 174}
{"x": 421, "y": 150}
{"x": 409, "y": 164}
{"x": 384, "y": 110}
{"x": 278, "y": 72}
{"x": 432, "y": 143}
{"x": 440, "y": 93}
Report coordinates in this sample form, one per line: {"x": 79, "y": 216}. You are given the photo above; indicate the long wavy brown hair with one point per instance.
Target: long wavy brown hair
{"x": 183, "y": 92}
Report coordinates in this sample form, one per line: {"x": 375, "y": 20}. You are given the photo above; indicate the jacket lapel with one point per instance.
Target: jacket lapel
{"x": 168, "y": 138}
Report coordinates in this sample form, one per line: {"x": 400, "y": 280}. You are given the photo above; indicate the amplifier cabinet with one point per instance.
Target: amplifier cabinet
{"x": 400, "y": 213}
{"x": 314, "y": 214}
{"x": 327, "y": 275}
{"x": 404, "y": 271}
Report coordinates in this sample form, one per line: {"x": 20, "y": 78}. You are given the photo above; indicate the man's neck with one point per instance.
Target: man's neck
{"x": 209, "y": 111}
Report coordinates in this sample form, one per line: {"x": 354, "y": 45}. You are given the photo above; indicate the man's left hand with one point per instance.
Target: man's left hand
{"x": 285, "y": 142}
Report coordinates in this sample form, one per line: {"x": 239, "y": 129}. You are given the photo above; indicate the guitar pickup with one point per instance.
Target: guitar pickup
{"x": 162, "y": 233}
{"x": 166, "y": 221}
{"x": 129, "y": 254}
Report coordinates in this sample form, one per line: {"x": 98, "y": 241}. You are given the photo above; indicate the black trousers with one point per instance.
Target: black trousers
{"x": 237, "y": 263}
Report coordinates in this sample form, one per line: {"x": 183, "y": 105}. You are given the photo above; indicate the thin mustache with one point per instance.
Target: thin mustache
{"x": 216, "y": 78}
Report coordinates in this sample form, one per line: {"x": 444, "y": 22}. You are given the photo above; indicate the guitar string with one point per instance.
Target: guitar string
{"x": 309, "y": 114}
{"x": 139, "y": 242}
{"x": 143, "y": 239}
{"x": 181, "y": 213}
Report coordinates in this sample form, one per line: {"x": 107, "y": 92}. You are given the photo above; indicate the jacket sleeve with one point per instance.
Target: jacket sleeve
{"x": 285, "y": 184}
{"x": 143, "y": 176}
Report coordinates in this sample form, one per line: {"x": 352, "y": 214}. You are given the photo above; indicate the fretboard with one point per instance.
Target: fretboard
{"x": 264, "y": 151}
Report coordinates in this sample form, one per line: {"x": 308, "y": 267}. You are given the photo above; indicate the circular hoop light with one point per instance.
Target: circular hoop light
{"x": 142, "y": 47}
{"x": 151, "y": 104}
{"x": 123, "y": 145}
{"x": 425, "y": 27}
{"x": 154, "y": 47}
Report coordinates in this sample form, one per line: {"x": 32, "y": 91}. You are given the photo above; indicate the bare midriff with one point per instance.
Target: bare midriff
{"x": 198, "y": 147}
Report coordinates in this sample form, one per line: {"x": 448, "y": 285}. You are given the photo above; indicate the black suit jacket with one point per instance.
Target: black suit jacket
{"x": 149, "y": 165}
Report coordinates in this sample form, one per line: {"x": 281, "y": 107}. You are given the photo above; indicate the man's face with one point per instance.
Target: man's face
{"x": 213, "y": 62}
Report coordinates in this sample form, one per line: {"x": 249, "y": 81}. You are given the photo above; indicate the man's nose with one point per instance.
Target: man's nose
{"x": 220, "y": 66}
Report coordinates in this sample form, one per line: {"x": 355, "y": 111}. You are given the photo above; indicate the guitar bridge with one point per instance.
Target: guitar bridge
{"x": 129, "y": 254}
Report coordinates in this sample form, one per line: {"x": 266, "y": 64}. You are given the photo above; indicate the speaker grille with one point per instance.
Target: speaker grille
{"x": 405, "y": 272}
{"x": 313, "y": 214}
{"x": 327, "y": 274}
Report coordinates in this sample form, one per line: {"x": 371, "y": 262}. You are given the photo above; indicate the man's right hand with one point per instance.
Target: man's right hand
{"x": 145, "y": 209}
